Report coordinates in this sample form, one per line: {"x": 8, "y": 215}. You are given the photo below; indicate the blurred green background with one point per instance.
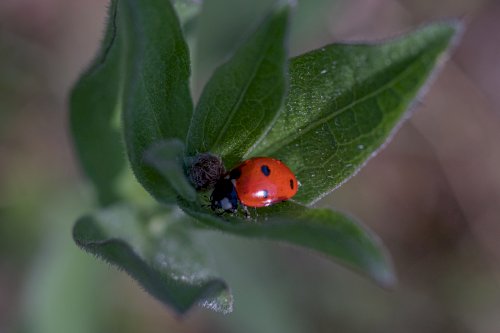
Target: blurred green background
{"x": 432, "y": 195}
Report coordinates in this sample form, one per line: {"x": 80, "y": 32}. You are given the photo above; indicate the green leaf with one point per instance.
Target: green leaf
{"x": 345, "y": 101}
{"x": 156, "y": 251}
{"x": 167, "y": 157}
{"x": 157, "y": 103}
{"x": 95, "y": 102}
{"x": 221, "y": 26}
{"x": 323, "y": 230}
{"x": 242, "y": 98}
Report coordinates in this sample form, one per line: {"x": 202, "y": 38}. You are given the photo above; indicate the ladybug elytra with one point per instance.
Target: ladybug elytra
{"x": 256, "y": 182}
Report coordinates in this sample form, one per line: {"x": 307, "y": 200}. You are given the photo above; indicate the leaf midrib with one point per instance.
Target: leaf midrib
{"x": 241, "y": 96}
{"x": 290, "y": 138}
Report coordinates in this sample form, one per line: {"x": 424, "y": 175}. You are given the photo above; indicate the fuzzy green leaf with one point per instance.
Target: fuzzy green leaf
{"x": 242, "y": 98}
{"x": 167, "y": 157}
{"x": 345, "y": 101}
{"x": 157, "y": 104}
{"x": 323, "y": 230}
{"x": 157, "y": 252}
{"x": 96, "y": 100}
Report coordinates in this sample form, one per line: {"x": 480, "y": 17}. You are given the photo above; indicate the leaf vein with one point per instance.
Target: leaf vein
{"x": 348, "y": 107}
{"x": 241, "y": 97}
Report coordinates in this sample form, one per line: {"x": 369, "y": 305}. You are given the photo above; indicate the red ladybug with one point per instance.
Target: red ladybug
{"x": 257, "y": 182}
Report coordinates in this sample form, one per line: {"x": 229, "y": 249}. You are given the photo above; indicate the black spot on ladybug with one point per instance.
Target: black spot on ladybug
{"x": 265, "y": 194}
{"x": 235, "y": 173}
{"x": 265, "y": 170}
{"x": 291, "y": 184}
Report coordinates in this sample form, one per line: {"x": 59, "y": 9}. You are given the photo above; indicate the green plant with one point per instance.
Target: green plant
{"x": 324, "y": 113}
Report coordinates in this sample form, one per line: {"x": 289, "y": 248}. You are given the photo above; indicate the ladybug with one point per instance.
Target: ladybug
{"x": 256, "y": 182}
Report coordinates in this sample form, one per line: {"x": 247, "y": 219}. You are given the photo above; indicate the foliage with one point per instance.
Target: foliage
{"x": 324, "y": 113}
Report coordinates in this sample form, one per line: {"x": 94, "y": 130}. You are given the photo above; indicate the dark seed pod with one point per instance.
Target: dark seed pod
{"x": 205, "y": 170}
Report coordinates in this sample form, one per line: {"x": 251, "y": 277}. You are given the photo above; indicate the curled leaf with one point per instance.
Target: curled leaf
{"x": 325, "y": 231}
{"x": 156, "y": 251}
{"x": 167, "y": 157}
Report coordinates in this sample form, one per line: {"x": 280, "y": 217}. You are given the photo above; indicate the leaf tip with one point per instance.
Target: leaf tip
{"x": 286, "y": 4}
{"x": 456, "y": 29}
{"x": 386, "y": 278}
{"x": 83, "y": 232}
{"x": 449, "y": 31}
{"x": 221, "y": 301}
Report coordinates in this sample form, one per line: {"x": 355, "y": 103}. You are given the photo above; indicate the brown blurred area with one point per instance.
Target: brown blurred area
{"x": 433, "y": 195}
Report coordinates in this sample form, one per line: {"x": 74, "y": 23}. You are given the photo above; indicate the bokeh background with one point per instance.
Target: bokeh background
{"x": 433, "y": 195}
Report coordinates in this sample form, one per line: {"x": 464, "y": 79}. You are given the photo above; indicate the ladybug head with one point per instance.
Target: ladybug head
{"x": 224, "y": 196}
